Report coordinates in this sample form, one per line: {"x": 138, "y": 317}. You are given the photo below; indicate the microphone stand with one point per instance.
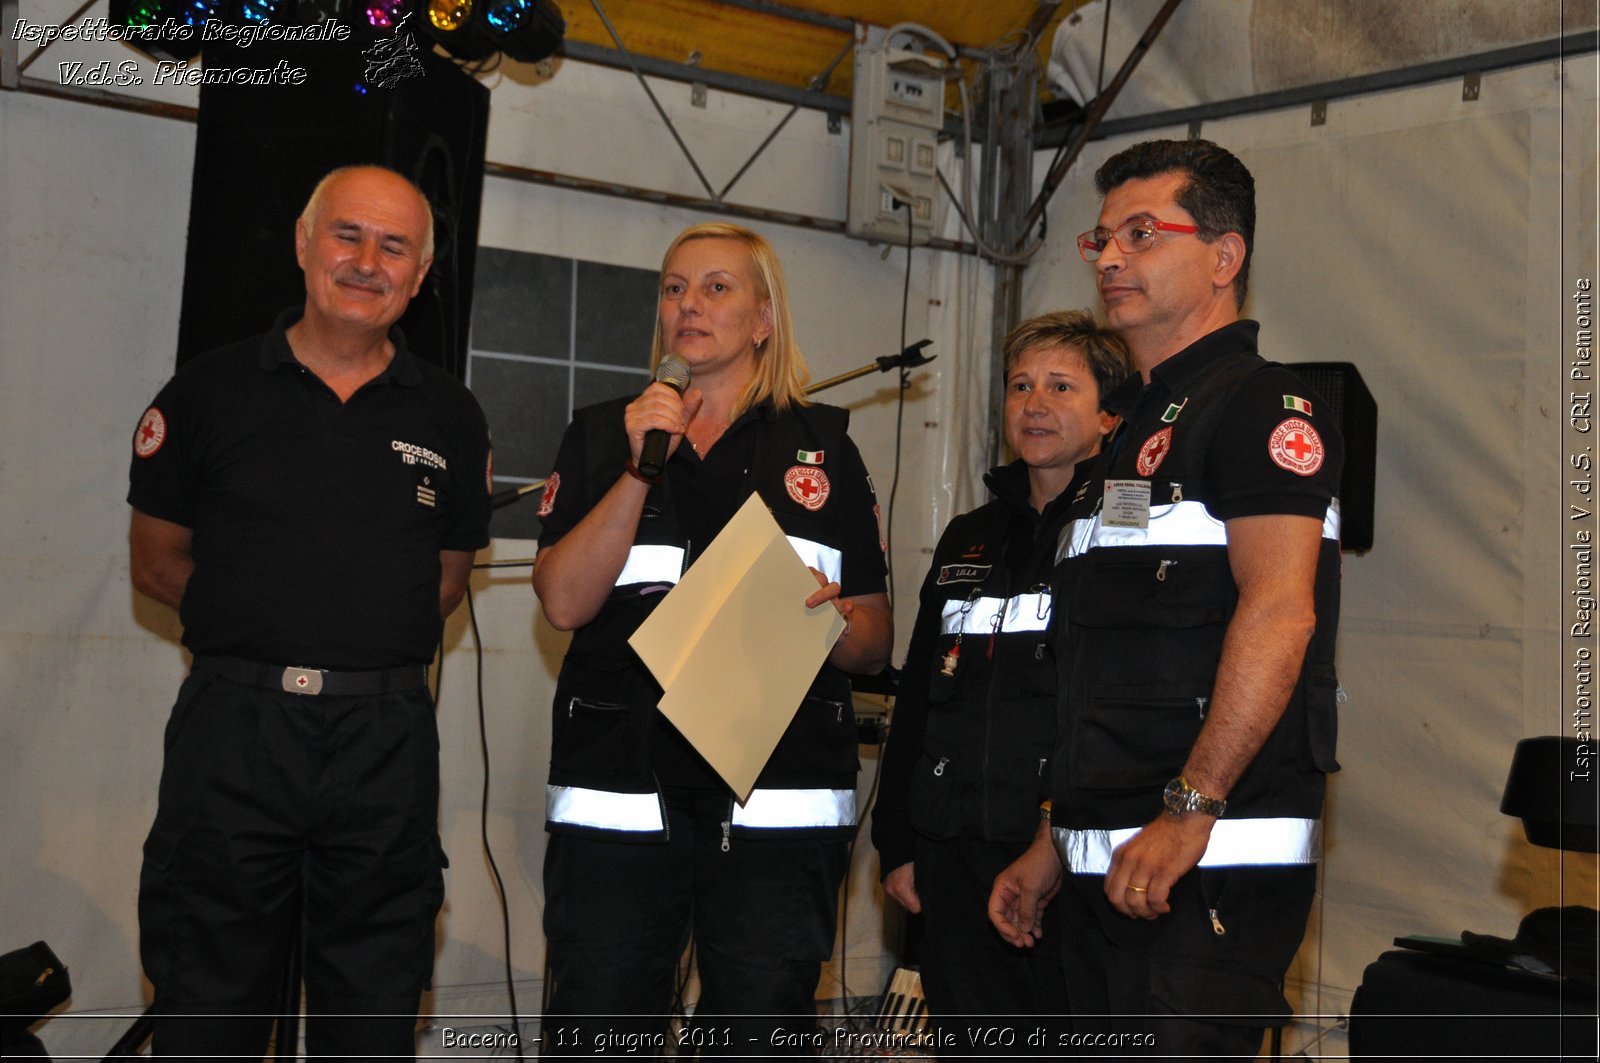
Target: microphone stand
{"x": 502, "y": 499}
{"x": 909, "y": 358}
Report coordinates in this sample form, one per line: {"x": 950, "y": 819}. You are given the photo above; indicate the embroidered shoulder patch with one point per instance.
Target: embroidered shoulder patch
{"x": 807, "y": 485}
{"x": 1154, "y": 452}
{"x": 151, "y": 433}
{"x": 1296, "y": 446}
{"x": 547, "y": 502}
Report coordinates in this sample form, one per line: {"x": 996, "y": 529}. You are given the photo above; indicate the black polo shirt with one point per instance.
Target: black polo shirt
{"x": 317, "y": 524}
{"x": 1245, "y": 478}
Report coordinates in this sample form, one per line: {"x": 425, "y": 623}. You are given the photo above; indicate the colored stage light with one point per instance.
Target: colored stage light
{"x": 199, "y": 12}
{"x": 161, "y": 44}
{"x": 528, "y": 30}
{"x": 508, "y": 16}
{"x": 385, "y": 14}
{"x": 451, "y": 23}
{"x": 449, "y": 16}
{"x": 276, "y": 11}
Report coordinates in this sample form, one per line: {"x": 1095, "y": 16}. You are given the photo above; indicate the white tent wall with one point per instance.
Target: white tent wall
{"x": 91, "y": 251}
{"x": 1420, "y": 237}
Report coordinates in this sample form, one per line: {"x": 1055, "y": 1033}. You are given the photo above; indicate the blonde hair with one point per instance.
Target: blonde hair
{"x": 780, "y": 374}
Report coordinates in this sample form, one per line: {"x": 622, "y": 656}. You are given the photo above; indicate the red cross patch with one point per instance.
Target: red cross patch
{"x": 1296, "y": 446}
{"x": 1154, "y": 452}
{"x": 807, "y": 485}
{"x": 548, "y": 501}
{"x": 151, "y": 433}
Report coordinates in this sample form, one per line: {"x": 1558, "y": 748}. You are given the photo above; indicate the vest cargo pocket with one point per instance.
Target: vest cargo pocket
{"x": 820, "y": 740}
{"x": 934, "y": 803}
{"x": 1322, "y": 721}
{"x": 596, "y": 741}
{"x": 1129, "y": 738}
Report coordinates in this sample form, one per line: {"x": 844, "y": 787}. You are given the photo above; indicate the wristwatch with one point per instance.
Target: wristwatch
{"x": 1179, "y": 797}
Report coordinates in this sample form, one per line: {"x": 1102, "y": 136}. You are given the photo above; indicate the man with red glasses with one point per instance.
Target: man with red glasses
{"x": 1199, "y": 575}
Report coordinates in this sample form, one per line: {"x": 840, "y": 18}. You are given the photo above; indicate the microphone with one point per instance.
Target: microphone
{"x": 673, "y": 372}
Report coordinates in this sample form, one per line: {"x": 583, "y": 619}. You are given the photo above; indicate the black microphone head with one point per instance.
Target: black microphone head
{"x": 673, "y": 372}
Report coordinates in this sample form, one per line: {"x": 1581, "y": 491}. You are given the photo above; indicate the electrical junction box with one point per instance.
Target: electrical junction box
{"x": 896, "y": 115}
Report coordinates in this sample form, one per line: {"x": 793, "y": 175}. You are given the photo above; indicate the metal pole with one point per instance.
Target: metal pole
{"x": 1097, "y": 111}
{"x": 654, "y": 102}
{"x": 1012, "y": 101}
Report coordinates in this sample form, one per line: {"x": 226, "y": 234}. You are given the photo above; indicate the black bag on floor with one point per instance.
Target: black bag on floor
{"x": 32, "y": 981}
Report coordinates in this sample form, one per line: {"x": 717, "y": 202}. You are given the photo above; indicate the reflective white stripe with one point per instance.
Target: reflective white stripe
{"x": 797, "y": 808}
{"x": 652, "y": 564}
{"x": 602, "y": 809}
{"x": 1234, "y": 843}
{"x": 1025, "y": 612}
{"x": 1176, "y": 524}
{"x": 825, "y": 559}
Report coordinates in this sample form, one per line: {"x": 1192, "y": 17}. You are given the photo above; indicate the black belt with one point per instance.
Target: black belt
{"x": 316, "y": 680}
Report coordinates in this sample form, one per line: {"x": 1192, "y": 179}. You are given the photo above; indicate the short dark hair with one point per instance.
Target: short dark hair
{"x": 1220, "y": 194}
{"x": 1103, "y": 350}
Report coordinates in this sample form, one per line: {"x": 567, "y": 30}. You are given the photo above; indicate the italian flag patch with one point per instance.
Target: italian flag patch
{"x": 1297, "y": 404}
{"x": 808, "y": 457}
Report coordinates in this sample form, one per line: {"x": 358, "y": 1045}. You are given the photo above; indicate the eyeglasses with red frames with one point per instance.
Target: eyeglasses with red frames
{"x": 1132, "y": 236}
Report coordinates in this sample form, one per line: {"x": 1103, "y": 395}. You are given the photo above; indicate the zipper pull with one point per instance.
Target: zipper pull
{"x": 1202, "y": 703}
{"x": 838, "y": 716}
{"x": 1042, "y": 762}
{"x": 938, "y": 769}
{"x": 727, "y": 825}
{"x": 1216, "y": 924}
{"x": 1038, "y": 651}
{"x": 43, "y": 976}
{"x": 1161, "y": 571}
{"x": 1177, "y": 492}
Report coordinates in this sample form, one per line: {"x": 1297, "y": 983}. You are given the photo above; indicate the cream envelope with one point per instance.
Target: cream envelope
{"x": 734, "y": 647}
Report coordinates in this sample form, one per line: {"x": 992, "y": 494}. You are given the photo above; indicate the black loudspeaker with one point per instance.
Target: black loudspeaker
{"x": 1340, "y": 385}
{"x": 261, "y": 148}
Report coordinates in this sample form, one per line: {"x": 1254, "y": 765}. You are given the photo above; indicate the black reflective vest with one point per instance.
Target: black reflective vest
{"x": 974, "y": 723}
{"x": 601, "y": 776}
{"x": 1141, "y": 615}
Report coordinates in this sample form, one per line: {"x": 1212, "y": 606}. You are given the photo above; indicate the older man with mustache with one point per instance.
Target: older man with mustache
{"x": 309, "y": 500}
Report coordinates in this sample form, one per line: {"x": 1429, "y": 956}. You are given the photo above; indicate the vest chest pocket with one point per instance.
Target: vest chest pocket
{"x": 1153, "y": 586}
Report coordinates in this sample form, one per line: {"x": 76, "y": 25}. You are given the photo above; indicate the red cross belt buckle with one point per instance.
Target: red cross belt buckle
{"x": 302, "y": 681}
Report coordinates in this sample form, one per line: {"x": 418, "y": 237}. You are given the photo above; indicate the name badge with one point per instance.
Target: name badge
{"x": 1127, "y": 504}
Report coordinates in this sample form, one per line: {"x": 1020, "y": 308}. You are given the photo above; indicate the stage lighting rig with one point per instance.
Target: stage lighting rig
{"x": 472, "y": 30}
